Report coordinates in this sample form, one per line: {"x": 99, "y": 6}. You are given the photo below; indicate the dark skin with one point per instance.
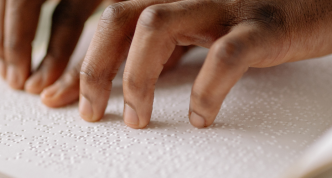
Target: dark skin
{"x": 239, "y": 34}
{"x": 18, "y": 23}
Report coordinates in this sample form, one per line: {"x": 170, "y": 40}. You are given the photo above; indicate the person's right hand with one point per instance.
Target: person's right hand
{"x": 66, "y": 89}
{"x": 240, "y": 34}
{"x": 18, "y": 23}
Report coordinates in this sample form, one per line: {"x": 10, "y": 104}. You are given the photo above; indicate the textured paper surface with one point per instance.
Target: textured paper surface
{"x": 270, "y": 117}
{"x": 264, "y": 125}
{"x": 316, "y": 161}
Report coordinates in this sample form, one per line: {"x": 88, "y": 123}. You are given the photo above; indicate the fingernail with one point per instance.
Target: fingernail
{"x": 85, "y": 109}
{"x": 50, "y": 91}
{"x": 34, "y": 84}
{"x": 196, "y": 120}
{"x": 130, "y": 116}
{"x": 13, "y": 78}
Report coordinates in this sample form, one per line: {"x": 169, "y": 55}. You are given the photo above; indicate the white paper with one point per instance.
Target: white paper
{"x": 316, "y": 162}
{"x": 267, "y": 121}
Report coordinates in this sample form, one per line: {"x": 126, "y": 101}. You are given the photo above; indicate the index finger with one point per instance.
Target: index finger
{"x": 108, "y": 48}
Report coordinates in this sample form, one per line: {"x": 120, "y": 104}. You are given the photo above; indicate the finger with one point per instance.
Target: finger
{"x": 21, "y": 19}
{"x": 107, "y": 50}
{"x": 151, "y": 48}
{"x": 227, "y": 60}
{"x": 2, "y": 19}
{"x": 67, "y": 25}
{"x": 64, "y": 91}
{"x": 160, "y": 28}
{"x": 109, "y": 47}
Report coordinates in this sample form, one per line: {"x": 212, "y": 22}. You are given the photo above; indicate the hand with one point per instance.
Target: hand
{"x": 18, "y": 23}
{"x": 240, "y": 34}
{"x": 66, "y": 89}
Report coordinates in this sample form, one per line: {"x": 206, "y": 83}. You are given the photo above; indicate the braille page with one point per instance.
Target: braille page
{"x": 269, "y": 118}
{"x": 266, "y": 123}
{"x": 316, "y": 162}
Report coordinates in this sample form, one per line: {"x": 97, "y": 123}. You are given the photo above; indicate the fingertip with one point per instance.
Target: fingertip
{"x": 48, "y": 93}
{"x": 86, "y": 110}
{"x": 130, "y": 116}
{"x": 50, "y": 97}
{"x": 135, "y": 126}
{"x": 13, "y": 78}
{"x": 197, "y": 120}
{"x": 35, "y": 84}
{"x": 59, "y": 94}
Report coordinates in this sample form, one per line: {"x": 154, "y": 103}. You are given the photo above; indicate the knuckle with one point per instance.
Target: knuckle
{"x": 155, "y": 17}
{"x": 138, "y": 86}
{"x": 96, "y": 75}
{"x": 14, "y": 45}
{"x": 269, "y": 15}
{"x": 203, "y": 99}
{"x": 118, "y": 19}
{"x": 228, "y": 52}
{"x": 117, "y": 13}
